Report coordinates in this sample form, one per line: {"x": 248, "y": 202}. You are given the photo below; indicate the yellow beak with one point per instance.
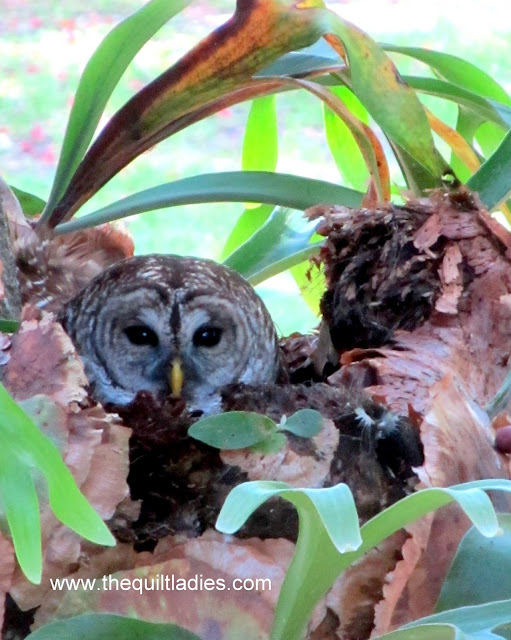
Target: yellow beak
{"x": 176, "y": 378}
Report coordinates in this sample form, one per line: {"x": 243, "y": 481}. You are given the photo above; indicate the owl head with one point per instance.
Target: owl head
{"x": 171, "y": 325}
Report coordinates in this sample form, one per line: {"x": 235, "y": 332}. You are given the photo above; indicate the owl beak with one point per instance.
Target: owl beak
{"x": 176, "y": 378}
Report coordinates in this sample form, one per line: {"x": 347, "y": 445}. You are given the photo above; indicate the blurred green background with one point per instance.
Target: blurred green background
{"x": 45, "y": 45}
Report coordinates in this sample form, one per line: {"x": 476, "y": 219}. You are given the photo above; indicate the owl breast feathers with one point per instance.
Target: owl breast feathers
{"x": 171, "y": 324}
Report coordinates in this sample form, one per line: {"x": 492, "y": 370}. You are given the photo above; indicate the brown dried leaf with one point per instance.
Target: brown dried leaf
{"x": 458, "y": 447}
{"x": 45, "y": 373}
{"x": 211, "y": 613}
{"x": 354, "y": 596}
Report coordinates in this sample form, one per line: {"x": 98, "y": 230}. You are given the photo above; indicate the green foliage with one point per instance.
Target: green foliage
{"x": 281, "y": 242}
{"x": 233, "y": 430}
{"x": 305, "y": 423}
{"x": 25, "y": 450}
{"x": 99, "y": 79}
{"x": 232, "y": 186}
{"x": 106, "y": 626}
{"x": 491, "y": 181}
{"x": 362, "y": 82}
{"x": 470, "y": 583}
{"x": 241, "y": 429}
{"x": 30, "y": 204}
{"x": 330, "y": 540}
{"x": 341, "y": 142}
{"x": 261, "y": 142}
{"x": 8, "y": 326}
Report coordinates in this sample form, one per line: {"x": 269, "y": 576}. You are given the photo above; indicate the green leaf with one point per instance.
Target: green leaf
{"x": 488, "y": 579}
{"x": 280, "y": 243}
{"x": 471, "y": 620}
{"x": 333, "y": 507}
{"x": 467, "y": 124}
{"x": 345, "y": 151}
{"x": 104, "y": 626}
{"x": 235, "y": 186}
{"x": 418, "y": 179}
{"x": 18, "y": 500}
{"x": 368, "y": 143}
{"x": 317, "y": 57}
{"x": 246, "y": 225}
{"x": 31, "y": 205}
{"x": 307, "y": 64}
{"x": 456, "y": 70}
{"x": 390, "y": 101}
{"x": 260, "y": 144}
{"x": 319, "y": 559}
{"x": 328, "y": 525}
{"x": 99, "y": 79}
{"x": 489, "y": 136}
{"x": 233, "y": 430}
{"x": 490, "y": 110}
{"x": 493, "y": 179}
{"x": 275, "y": 443}
{"x": 311, "y": 283}
{"x": 305, "y": 423}
{"x": 24, "y": 449}
{"x": 426, "y": 632}
{"x": 196, "y": 86}
{"x": 8, "y": 326}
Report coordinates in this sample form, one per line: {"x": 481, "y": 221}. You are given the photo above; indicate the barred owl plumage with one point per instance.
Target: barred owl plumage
{"x": 171, "y": 324}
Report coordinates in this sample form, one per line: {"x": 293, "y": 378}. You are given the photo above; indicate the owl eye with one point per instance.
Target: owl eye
{"x": 207, "y": 336}
{"x": 141, "y": 335}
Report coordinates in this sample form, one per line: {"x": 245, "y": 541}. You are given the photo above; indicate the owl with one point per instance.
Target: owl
{"x": 171, "y": 325}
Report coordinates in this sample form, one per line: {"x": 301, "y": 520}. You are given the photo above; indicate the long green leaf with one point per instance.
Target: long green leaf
{"x": 471, "y": 620}
{"x": 235, "y": 186}
{"x": 246, "y": 225}
{"x": 317, "y": 57}
{"x": 390, "y": 101}
{"x": 343, "y": 146}
{"x": 493, "y": 179}
{"x": 317, "y": 562}
{"x": 305, "y": 64}
{"x": 427, "y": 632}
{"x": 260, "y": 143}
{"x": 222, "y": 63}
{"x": 18, "y": 500}
{"x": 456, "y": 70}
{"x": 26, "y": 449}
{"x": 328, "y": 520}
{"x": 99, "y": 79}
{"x": 491, "y": 110}
{"x": 282, "y": 242}
{"x": 418, "y": 179}
{"x": 104, "y": 626}
{"x": 466, "y": 125}
{"x": 471, "y": 583}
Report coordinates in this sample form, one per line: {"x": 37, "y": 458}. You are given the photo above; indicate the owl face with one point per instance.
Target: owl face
{"x": 168, "y": 324}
